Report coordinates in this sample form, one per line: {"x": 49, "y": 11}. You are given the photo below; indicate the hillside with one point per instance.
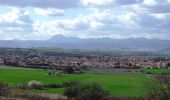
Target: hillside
{"x": 60, "y": 41}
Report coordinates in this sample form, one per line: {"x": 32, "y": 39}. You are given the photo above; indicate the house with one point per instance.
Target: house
{"x": 1, "y": 62}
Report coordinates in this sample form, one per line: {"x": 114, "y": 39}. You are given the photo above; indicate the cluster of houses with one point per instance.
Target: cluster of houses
{"x": 39, "y": 60}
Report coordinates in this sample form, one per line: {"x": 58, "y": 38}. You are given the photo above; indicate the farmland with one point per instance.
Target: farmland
{"x": 156, "y": 71}
{"x": 116, "y": 84}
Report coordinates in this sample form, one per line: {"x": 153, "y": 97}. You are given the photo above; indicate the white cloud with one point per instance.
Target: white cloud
{"x": 102, "y": 18}
{"x": 96, "y": 25}
{"x": 161, "y": 16}
{"x": 16, "y": 15}
{"x": 156, "y": 6}
{"x": 108, "y": 3}
{"x": 106, "y": 23}
{"x": 15, "y": 23}
{"x": 10, "y": 16}
{"x": 49, "y": 11}
{"x": 150, "y": 2}
{"x": 60, "y": 4}
{"x": 96, "y": 2}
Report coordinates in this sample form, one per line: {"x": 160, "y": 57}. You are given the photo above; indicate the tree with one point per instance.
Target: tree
{"x": 69, "y": 70}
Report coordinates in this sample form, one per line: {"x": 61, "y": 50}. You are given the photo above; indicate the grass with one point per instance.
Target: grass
{"x": 156, "y": 71}
{"x": 116, "y": 84}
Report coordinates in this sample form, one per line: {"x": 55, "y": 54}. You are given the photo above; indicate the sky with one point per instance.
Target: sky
{"x": 117, "y": 19}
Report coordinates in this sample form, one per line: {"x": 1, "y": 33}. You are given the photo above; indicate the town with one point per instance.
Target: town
{"x": 58, "y": 60}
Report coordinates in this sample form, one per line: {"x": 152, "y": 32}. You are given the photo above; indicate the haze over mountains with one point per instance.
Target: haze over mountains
{"x": 60, "y": 41}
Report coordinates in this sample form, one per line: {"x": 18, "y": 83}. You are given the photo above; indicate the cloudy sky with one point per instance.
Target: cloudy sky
{"x": 41, "y": 19}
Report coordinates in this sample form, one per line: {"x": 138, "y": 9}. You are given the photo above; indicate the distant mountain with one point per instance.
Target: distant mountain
{"x": 60, "y": 41}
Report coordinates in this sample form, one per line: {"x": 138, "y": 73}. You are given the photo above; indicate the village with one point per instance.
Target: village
{"x": 59, "y": 60}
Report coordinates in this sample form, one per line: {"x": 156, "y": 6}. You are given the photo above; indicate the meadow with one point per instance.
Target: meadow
{"x": 116, "y": 84}
{"x": 156, "y": 71}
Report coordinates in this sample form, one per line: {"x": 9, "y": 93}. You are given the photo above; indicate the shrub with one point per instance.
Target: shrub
{"x": 164, "y": 73}
{"x": 148, "y": 73}
{"x": 65, "y": 84}
{"x": 35, "y": 85}
{"x": 86, "y": 92}
{"x": 2, "y": 87}
{"x": 53, "y": 86}
{"x": 72, "y": 83}
{"x": 4, "y": 90}
{"x": 160, "y": 91}
{"x": 69, "y": 70}
{"x": 49, "y": 73}
{"x": 72, "y": 92}
{"x": 21, "y": 86}
{"x": 142, "y": 71}
{"x": 93, "y": 92}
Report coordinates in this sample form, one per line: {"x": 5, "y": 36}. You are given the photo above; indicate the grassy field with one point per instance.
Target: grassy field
{"x": 156, "y": 71}
{"x": 116, "y": 84}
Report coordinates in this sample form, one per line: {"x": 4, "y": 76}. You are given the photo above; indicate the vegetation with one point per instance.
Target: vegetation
{"x": 3, "y": 89}
{"x": 161, "y": 91}
{"x": 84, "y": 86}
{"x": 116, "y": 84}
{"x": 91, "y": 91}
{"x": 12, "y": 93}
{"x": 156, "y": 71}
{"x": 35, "y": 84}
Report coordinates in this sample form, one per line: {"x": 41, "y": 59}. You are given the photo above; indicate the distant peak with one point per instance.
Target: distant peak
{"x": 59, "y": 35}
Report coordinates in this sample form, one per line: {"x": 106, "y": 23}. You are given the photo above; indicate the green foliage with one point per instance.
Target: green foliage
{"x": 91, "y": 91}
{"x": 156, "y": 71}
{"x": 4, "y": 89}
{"x": 116, "y": 84}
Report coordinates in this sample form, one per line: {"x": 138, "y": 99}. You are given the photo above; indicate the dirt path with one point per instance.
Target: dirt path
{"x": 53, "y": 96}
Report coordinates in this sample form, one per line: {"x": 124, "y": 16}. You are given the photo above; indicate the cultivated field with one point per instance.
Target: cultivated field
{"x": 116, "y": 84}
{"x": 156, "y": 71}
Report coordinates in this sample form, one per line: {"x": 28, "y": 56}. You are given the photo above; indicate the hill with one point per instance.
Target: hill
{"x": 60, "y": 41}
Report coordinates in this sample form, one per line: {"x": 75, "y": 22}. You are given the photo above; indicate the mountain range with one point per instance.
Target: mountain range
{"x": 60, "y": 41}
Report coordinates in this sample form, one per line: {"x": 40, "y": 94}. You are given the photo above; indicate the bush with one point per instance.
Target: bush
{"x": 69, "y": 70}
{"x": 160, "y": 91}
{"x": 49, "y": 73}
{"x": 4, "y": 90}
{"x": 35, "y": 85}
{"x": 2, "y": 87}
{"x": 72, "y": 83}
{"x": 65, "y": 84}
{"x": 164, "y": 73}
{"x": 148, "y": 73}
{"x": 142, "y": 71}
{"x": 86, "y": 92}
{"x": 93, "y": 93}
{"x": 21, "y": 86}
{"x": 53, "y": 86}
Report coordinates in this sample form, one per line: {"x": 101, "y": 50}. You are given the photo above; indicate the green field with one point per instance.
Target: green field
{"x": 116, "y": 84}
{"x": 156, "y": 71}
